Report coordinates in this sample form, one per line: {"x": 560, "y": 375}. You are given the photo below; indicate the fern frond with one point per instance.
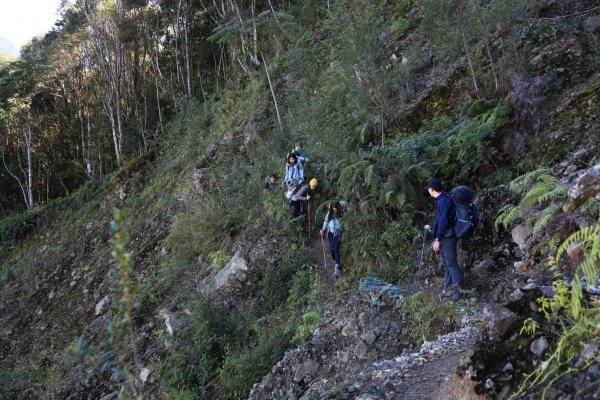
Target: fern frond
{"x": 553, "y": 243}
{"x": 545, "y": 188}
{"x": 547, "y": 215}
{"x": 519, "y": 184}
{"x": 576, "y": 296}
{"x": 581, "y": 235}
{"x": 507, "y": 215}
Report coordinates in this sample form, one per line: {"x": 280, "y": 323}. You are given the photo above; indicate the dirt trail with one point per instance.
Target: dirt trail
{"x": 325, "y": 271}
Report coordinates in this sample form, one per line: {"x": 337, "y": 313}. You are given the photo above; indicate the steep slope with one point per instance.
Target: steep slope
{"x": 228, "y": 295}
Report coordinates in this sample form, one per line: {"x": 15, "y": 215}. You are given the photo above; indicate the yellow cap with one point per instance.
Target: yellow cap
{"x": 313, "y": 182}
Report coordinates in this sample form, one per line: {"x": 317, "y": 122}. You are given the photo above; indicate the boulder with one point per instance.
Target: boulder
{"x": 308, "y": 368}
{"x": 498, "y": 319}
{"x": 539, "y": 346}
{"x": 483, "y": 267}
{"x": 144, "y": 374}
{"x": 520, "y": 234}
{"x": 174, "y": 321}
{"x": 100, "y": 305}
{"x": 586, "y": 186}
{"x": 233, "y": 275}
{"x": 516, "y": 295}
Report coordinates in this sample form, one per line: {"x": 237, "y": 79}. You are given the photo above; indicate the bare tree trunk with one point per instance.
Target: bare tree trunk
{"x": 28, "y": 144}
{"x": 18, "y": 181}
{"x": 272, "y": 92}
{"x": 468, "y": 54}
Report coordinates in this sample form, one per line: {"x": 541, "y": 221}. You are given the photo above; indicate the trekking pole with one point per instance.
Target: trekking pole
{"x": 308, "y": 219}
{"x": 422, "y": 248}
{"x": 324, "y": 258}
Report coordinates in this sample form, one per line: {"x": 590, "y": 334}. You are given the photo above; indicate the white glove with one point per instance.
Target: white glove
{"x": 308, "y": 197}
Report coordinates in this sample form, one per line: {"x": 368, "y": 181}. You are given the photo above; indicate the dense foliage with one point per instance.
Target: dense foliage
{"x": 175, "y": 111}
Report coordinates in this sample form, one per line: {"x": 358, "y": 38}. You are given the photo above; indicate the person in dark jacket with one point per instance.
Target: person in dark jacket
{"x": 271, "y": 182}
{"x": 300, "y": 196}
{"x": 445, "y": 239}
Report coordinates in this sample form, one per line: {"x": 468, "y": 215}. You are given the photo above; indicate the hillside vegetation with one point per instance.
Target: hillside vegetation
{"x": 136, "y": 136}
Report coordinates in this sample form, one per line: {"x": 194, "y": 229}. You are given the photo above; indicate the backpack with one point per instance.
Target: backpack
{"x": 467, "y": 213}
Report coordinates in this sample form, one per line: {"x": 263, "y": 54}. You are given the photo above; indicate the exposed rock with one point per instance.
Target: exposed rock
{"x": 233, "y": 275}
{"x": 575, "y": 249}
{"x": 520, "y": 234}
{"x": 144, "y": 374}
{"x": 586, "y": 186}
{"x": 499, "y": 319}
{"x": 516, "y": 295}
{"x": 174, "y": 322}
{"x": 539, "y": 346}
{"x": 361, "y": 350}
{"x": 110, "y": 396}
{"x": 483, "y": 267}
{"x": 309, "y": 368}
{"x": 368, "y": 337}
{"x": 591, "y": 24}
{"x": 350, "y": 329}
{"x": 100, "y": 305}
{"x": 379, "y": 292}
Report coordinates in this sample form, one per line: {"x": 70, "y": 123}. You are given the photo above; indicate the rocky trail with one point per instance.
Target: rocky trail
{"x": 362, "y": 351}
{"x": 325, "y": 264}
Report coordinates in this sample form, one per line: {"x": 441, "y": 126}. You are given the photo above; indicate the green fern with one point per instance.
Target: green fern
{"x": 540, "y": 189}
{"x": 507, "y": 215}
{"x": 523, "y": 181}
{"x": 579, "y": 320}
{"x": 544, "y": 218}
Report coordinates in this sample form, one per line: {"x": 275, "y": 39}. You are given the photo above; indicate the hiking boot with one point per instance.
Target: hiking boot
{"x": 444, "y": 295}
{"x": 336, "y": 271}
{"x": 456, "y": 296}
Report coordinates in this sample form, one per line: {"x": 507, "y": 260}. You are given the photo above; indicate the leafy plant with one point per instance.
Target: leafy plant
{"x": 427, "y": 317}
{"x": 578, "y": 318}
{"x": 120, "y": 333}
{"x": 309, "y": 322}
{"x": 540, "y": 189}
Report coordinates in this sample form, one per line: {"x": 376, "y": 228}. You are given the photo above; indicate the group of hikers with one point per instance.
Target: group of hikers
{"x": 456, "y": 218}
{"x": 298, "y": 193}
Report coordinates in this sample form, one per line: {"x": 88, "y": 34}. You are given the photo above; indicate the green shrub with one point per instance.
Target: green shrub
{"x": 213, "y": 330}
{"x": 246, "y": 366}
{"x": 427, "y": 317}
{"x": 279, "y": 277}
{"x": 309, "y": 322}
{"x": 400, "y": 26}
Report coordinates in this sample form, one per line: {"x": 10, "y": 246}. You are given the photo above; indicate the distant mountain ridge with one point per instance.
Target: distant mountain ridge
{"x": 6, "y": 46}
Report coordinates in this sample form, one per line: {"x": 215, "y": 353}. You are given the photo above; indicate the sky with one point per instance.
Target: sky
{"x": 21, "y": 20}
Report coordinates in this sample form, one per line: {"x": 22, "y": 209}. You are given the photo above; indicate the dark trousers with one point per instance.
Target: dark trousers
{"x": 297, "y": 208}
{"x": 452, "y": 273}
{"x": 334, "y": 247}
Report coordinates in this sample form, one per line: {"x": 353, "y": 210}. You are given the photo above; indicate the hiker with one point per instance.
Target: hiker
{"x": 332, "y": 225}
{"x": 445, "y": 239}
{"x": 300, "y": 153}
{"x": 300, "y": 196}
{"x": 271, "y": 182}
{"x": 294, "y": 171}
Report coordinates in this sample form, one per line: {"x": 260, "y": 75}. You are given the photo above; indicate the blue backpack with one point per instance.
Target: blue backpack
{"x": 467, "y": 213}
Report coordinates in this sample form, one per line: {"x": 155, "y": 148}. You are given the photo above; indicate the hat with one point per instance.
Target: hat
{"x": 435, "y": 184}
{"x": 313, "y": 182}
